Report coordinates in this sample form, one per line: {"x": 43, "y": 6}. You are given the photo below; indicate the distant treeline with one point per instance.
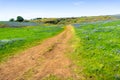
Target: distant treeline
{"x": 71, "y": 20}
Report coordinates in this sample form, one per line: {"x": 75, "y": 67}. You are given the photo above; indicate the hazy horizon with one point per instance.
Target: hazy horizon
{"x": 57, "y": 8}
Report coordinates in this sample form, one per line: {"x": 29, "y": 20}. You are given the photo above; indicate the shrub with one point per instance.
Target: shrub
{"x": 11, "y": 20}
{"x": 20, "y": 19}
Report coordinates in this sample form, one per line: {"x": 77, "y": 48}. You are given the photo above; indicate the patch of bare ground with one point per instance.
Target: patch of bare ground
{"x": 41, "y": 61}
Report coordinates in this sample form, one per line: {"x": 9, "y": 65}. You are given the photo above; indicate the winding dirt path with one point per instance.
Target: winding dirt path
{"x": 41, "y": 61}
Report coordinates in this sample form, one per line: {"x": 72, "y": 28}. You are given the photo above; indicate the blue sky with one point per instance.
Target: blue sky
{"x": 57, "y": 8}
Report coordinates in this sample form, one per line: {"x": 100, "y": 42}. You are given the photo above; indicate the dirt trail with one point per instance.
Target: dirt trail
{"x": 41, "y": 61}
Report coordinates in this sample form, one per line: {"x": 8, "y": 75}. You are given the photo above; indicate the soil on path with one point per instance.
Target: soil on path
{"x": 41, "y": 61}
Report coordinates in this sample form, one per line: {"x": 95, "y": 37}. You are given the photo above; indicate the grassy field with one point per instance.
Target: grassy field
{"x": 4, "y": 24}
{"x": 18, "y": 39}
{"x": 96, "y": 47}
{"x": 97, "y": 50}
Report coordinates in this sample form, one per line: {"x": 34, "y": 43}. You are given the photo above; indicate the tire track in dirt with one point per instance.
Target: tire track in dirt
{"x": 44, "y": 59}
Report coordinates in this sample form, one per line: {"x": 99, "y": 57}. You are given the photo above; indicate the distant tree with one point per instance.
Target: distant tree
{"x": 20, "y": 19}
{"x": 11, "y": 20}
{"x": 26, "y": 21}
{"x": 38, "y": 18}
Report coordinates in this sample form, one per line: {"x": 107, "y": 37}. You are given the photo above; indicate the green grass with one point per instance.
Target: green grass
{"x": 97, "y": 50}
{"x": 53, "y": 77}
{"x": 13, "y": 40}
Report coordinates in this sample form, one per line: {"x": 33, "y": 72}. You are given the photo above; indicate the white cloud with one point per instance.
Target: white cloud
{"x": 78, "y": 3}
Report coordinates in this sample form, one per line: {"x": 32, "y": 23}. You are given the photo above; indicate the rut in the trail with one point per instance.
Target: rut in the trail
{"x": 43, "y": 60}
